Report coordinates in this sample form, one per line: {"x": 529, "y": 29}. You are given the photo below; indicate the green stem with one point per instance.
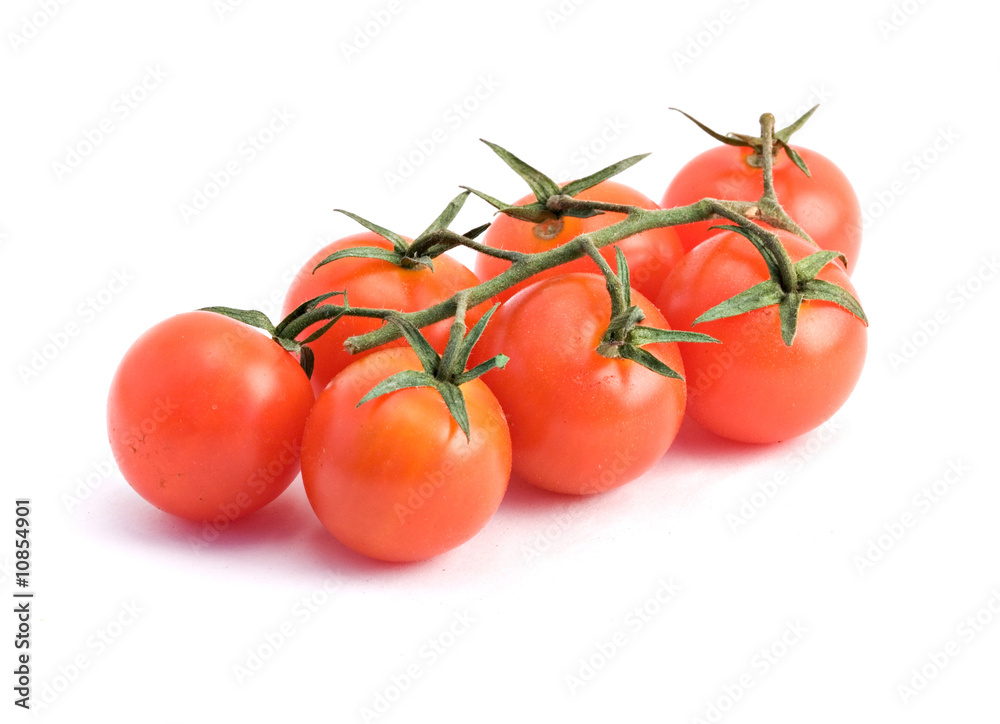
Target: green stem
{"x": 638, "y": 220}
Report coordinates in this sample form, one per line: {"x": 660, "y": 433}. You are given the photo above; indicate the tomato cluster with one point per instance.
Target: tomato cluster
{"x": 574, "y": 378}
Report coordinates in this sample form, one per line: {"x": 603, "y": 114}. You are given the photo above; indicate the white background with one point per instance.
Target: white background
{"x": 133, "y": 620}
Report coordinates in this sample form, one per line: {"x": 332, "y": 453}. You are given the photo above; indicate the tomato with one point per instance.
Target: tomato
{"x": 579, "y": 422}
{"x": 205, "y": 417}
{"x": 823, "y": 204}
{"x": 753, "y": 387}
{"x": 396, "y": 478}
{"x": 374, "y": 283}
{"x": 651, "y": 254}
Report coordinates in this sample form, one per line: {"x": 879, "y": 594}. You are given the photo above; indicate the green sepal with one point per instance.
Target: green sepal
{"x": 465, "y": 346}
{"x": 764, "y": 294}
{"x": 429, "y": 358}
{"x": 444, "y": 219}
{"x": 652, "y": 335}
{"x": 647, "y": 360}
{"x": 575, "y": 187}
{"x": 755, "y": 142}
{"x": 307, "y": 360}
{"x": 498, "y": 362}
{"x": 541, "y": 185}
{"x": 828, "y": 292}
{"x": 306, "y": 306}
{"x": 248, "y": 316}
{"x": 808, "y": 267}
{"x": 398, "y": 242}
{"x": 533, "y": 212}
{"x": 788, "y": 311}
{"x": 363, "y": 252}
{"x": 400, "y": 381}
{"x": 785, "y": 133}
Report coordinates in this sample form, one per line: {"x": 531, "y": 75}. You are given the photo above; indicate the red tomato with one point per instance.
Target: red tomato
{"x": 650, "y": 254}
{"x": 753, "y": 387}
{"x": 396, "y": 479}
{"x": 374, "y": 283}
{"x": 579, "y": 422}
{"x": 823, "y": 204}
{"x": 205, "y": 417}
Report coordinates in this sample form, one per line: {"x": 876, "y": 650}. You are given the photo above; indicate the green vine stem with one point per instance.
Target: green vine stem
{"x": 524, "y": 266}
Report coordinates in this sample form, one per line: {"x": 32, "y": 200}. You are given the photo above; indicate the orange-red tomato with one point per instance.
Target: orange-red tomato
{"x": 823, "y": 204}
{"x": 579, "y": 422}
{"x": 205, "y": 417}
{"x": 753, "y": 387}
{"x": 396, "y": 479}
{"x": 650, "y": 254}
{"x": 374, "y": 283}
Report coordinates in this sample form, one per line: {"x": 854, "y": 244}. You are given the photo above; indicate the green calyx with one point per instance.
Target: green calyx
{"x": 625, "y": 337}
{"x": 446, "y": 372}
{"x": 756, "y": 159}
{"x": 280, "y": 332}
{"x": 790, "y": 284}
{"x": 550, "y": 196}
{"x": 434, "y": 241}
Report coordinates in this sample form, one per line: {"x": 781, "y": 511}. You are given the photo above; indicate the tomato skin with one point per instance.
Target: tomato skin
{"x": 752, "y": 387}
{"x": 396, "y": 479}
{"x": 580, "y": 423}
{"x": 823, "y": 204}
{"x": 651, "y": 254}
{"x": 374, "y": 283}
{"x": 205, "y": 417}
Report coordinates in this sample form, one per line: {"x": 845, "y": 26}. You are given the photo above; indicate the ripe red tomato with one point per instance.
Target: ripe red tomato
{"x": 823, "y": 204}
{"x": 374, "y": 283}
{"x": 650, "y": 254}
{"x": 205, "y": 417}
{"x": 753, "y": 387}
{"x": 579, "y": 422}
{"x": 396, "y": 479}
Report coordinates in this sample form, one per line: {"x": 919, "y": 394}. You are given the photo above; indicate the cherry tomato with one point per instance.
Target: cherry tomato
{"x": 753, "y": 387}
{"x": 205, "y": 417}
{"x": 823, "y": 204}
{"x": 374, "y": 283}
{"x": 650, "y": 254}
{"x": 396, "y": 479}
{"x": 579, "y": 422}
